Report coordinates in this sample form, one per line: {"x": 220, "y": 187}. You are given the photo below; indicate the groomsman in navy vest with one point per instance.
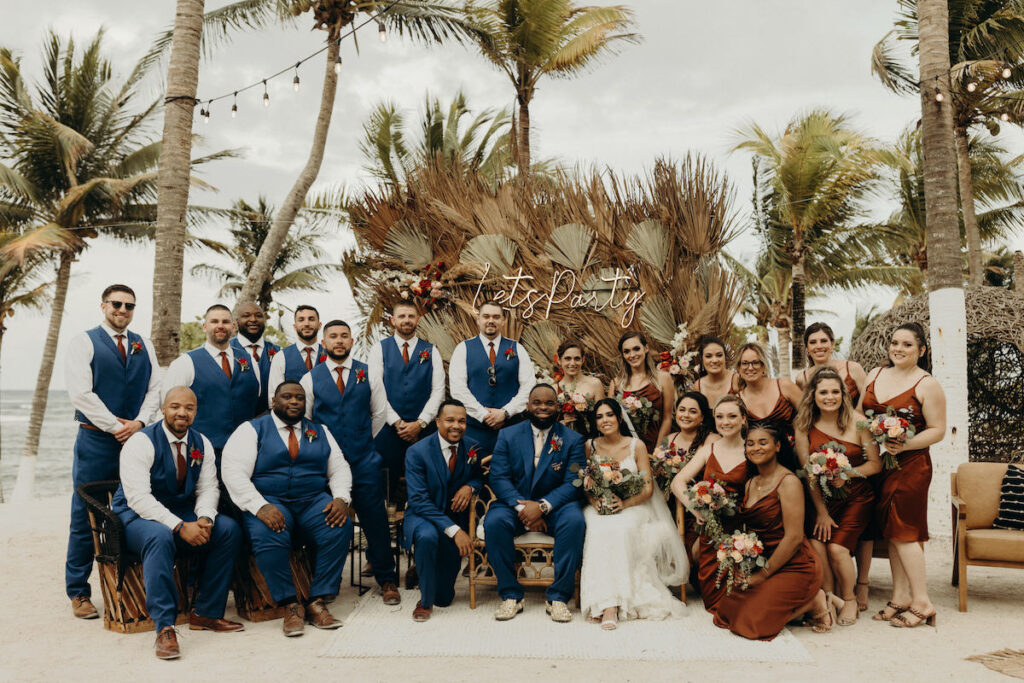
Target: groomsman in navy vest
{"x": 339, "y": 396}
{"x": 442, "y": 474}
{"x": 113, "y": 380}
{"x": 532, "y": 479}
{"x": 168, "y": 504}
{"x": 492, "y": 375}
{"x": 278, "y": 469}
{"x": 252, "y": 322}
{"x": 223, "y": 378}
{"x": 410, "y": 373}
{"x": 297, "y": 359}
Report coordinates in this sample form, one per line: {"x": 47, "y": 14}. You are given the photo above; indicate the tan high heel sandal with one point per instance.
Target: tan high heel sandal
{"x": 845, "y": 621}
{"x": 830, "y": 612}
{"x": 897, "y": 610}
{"x": 901, "y": 621}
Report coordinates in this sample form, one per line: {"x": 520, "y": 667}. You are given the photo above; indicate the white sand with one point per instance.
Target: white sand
{"x": 40, "y": 641}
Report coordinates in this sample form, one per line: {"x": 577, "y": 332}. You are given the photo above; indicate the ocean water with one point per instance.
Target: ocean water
{"x": 53, "y": 469}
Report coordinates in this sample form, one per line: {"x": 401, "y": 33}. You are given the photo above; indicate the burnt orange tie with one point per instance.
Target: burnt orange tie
{"x": 451, "y": 460}
{"x": 255, "y": 352}
{"x": 182, "y": 465}
{"x": 491, "y": 355}
{"x": 224, "y": 364}
{"x": 120, "y": 347}
{"x": 309, "y": 358}
{"x": 405, "y": 352}
{"x": 341, "y": 382}
{"x": 293, "y": 443}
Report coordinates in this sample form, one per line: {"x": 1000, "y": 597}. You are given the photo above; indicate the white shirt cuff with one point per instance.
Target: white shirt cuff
{"x": 451, "y": 531}
{"x": 520, "y": 507}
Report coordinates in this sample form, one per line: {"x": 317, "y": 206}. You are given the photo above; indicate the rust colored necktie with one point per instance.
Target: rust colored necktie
{"x": 120, "y": 347}
{"x": 405, "y": 352}
{"x": 309, "y": 358}
{"x": 255, "y": 352}
{"x": 491, "y": 355}
{"x": 224, "y": 364}
{"x": 341, "y": 382}
{"x": 293, "y": 443}
{"x": 182, "y": 465}
{"x": 451, "y": 460}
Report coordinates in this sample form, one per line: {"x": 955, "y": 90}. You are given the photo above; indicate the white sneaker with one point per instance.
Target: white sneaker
{"x": 559, "y": 612}
{"x": 508, "y": 609}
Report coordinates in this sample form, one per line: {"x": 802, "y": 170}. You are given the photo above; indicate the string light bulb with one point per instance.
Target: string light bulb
{"x": 1004, "y": 116}
{"x": 295, "y": 81}
{"x": 939, "y": 97}
{"x": 1007, "y": 72}
{"x": 266, "y": 95}
{"x": 337, "y": 66}
{"x": 234, "y": 106}
{"x": 206, "y": 114}
{"x": 972, "y": 86}
{"x": 381, "y": 32}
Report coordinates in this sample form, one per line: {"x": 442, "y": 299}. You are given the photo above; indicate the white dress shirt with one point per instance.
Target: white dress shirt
{"x": 460, "y": 383}
{"x": 376, "y": 364}
{"x": 182, "y": 372}
{"x": 276, "y": 374}
{"x": 446, "y": 451}
{"x": 78, "y": 380}
{"x": 247, "y": 345}
{"x": 137, "y": 458}
{"x": 238, "y": 460}
{"x": 378, "y": 401}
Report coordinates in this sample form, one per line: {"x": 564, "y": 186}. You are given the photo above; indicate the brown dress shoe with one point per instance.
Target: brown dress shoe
{"x": 83, "y": 608}
{"x": 317, "y": 614}
{"x": 421, "y": 613}
{"x": 294, "y": 616}
{"x": 389, "y": 591}
{"x": 167, "y": 644}
{"x": 198, "y": 623}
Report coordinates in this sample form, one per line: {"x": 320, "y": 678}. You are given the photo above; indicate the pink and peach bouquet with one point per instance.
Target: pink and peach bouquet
{"x": 829, "y": 469}
{"x": 639, "y": 409}
{"x": 605, "y": 480}
{"x": 894, "y": 426}
{"x": 709, "y": 501}
{"x": 666, "y": 463}
{"x": 739, "y": 555}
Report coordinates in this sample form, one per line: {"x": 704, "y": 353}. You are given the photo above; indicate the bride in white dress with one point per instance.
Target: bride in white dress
{"x": 630, "y": 557}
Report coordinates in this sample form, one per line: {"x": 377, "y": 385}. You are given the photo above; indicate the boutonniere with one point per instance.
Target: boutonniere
{"x": 424, "y": 356}
{"x": 322, "y": 358}
{"x": 360, "y": 376}
{"x": 555, "y": 445}
{"x": 196, "y": 457}
{"x": 310, "y": 435}
{"x": 136, "y": 347}
{"x": 243, "y": 364}
{"x": 271, "y": 352}
{"x": 472, "y": 456}
{"x": 510, "y": 353}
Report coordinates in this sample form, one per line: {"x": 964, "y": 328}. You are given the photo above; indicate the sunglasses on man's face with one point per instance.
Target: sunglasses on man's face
{"x": 117, "y": 305}
{"x": 492, "y": 379}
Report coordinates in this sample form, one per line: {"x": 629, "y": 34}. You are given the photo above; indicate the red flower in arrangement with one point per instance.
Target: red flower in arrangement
{"x": 568, "y": 407}
{"x": 626, "y": 394}
{"x": 196, "y": 457}
{"x": 310, "y": 435}
{"x": 242, "y": 363}
{"x": 472, "y": 456}
{"x": 424, "y": 356}
{"x": 322, "y": 358}
{"x": 510, "y": 353}
{"x": 271, "y": 352}
{"x": 136, "y": 347}
{"x": 360, "y": 376}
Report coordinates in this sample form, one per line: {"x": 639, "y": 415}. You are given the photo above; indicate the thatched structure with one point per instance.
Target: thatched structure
{"x": 995, "y": 370}
{"x": 448, "y": 238}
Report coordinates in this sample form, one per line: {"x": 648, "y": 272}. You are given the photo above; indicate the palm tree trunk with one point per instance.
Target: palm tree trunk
{"x": 523, "y": 98}
{"x": 946, "y": 304}
{"x": 1018, "y": 270}
{"x": 173, "y": 179}
{"x": 797, "y": 313}
{"x": 27, "y": 465}
{"x": 261, "y": 269}
{"x": 2, "y": 330}
{"x": 785, "y": 340}
{"x": 963, "y": 162}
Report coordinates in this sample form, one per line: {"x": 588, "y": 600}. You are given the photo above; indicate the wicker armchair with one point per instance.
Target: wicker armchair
{"x": 120, "y": 572}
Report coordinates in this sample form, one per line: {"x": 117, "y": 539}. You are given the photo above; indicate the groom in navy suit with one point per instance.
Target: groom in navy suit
{"x": 442, "y": 474}
{"x": 532, "y": 482}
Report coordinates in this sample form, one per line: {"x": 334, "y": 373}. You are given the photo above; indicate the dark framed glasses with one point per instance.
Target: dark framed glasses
{"x": 492, "y": 379}
{"x": 117, "y": 305}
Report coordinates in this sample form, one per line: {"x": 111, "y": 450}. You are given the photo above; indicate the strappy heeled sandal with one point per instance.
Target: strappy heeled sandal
{"x": 901, "y": 621}
{"x": 830, "y": 612}
{"x": 845, "y": 621}
{"x": 897, "y": 610}
{"x": 861, "y": 606}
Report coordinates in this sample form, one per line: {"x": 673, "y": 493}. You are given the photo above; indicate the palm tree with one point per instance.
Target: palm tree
{"x": 813, "y": 179}
{"x": 984, "y": 39}
{"x": 529, "y": 39}
{"x": 426, "y": 21}
{"x": 292, "y": 268}
{"x": 483, "y": 147}
{"x": 999, "y": 268}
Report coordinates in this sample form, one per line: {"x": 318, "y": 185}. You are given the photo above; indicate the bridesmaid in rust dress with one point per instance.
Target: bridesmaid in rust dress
{"x": 641, "y": 377}
{"x": 789, "y": 584}
{"x": 902, "y": 506}
{"x": 820, "y": 342}
{"x": 834, "y": 525}
{"x": 768, "y": 400}
{"x": 725, "y": 461}
{"x": 716, "y": 379}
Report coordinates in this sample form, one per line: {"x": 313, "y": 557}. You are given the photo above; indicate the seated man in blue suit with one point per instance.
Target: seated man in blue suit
{"x": 532, "y": 482}
{"x": 442, "y": 473}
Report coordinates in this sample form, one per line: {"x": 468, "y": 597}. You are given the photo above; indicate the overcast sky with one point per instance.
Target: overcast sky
{"x": 703, "y": 70}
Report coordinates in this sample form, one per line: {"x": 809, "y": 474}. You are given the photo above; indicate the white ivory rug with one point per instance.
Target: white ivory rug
{"x": 374, "y": 629}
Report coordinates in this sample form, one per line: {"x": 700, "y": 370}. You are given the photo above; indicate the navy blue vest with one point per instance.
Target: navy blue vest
{"x": 348, "y": 416}
{"x": 295, "y": 362}
{"x": 407, "y": 386}
{"x": 269, "y": 350}
{"x": 506, "y": 372}
{"x": 223, "y": 404}
{"x": 163, "y": 477}
{"x": 121, "y": 385}
{"x": 276, "y": 474}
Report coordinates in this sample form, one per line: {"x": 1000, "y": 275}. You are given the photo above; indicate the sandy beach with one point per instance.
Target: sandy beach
{"x": 40, "y": 641}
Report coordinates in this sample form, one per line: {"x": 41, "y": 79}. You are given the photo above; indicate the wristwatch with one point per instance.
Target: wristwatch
{"x": 545, "y": 507}
{"x": 422, "y": 424}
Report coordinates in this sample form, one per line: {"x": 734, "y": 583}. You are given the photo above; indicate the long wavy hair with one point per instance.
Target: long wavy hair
{"x": 627, "y": 372}
{"x": 707, "y": 418}
{"x": 808, "y": 413}
{"x": 616, "y": 411}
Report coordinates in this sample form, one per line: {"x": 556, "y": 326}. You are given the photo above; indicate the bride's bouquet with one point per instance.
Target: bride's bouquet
{"x": 739, "y": 555}
{"x": 603, "y": 479}
{"x": 666, "y": 462}
{"x": 639, "y": 409}
{"x": 829, "y": 469}
{"x": 894, "y": 425}
{"x": 709, "y": 501}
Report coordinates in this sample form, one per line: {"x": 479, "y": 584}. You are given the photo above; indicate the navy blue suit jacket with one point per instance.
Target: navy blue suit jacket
{"x": 513, "y": 476}
{"x": 431, "y": 486}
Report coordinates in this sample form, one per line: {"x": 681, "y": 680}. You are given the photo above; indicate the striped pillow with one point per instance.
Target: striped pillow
{"x": 1011, "y": 500}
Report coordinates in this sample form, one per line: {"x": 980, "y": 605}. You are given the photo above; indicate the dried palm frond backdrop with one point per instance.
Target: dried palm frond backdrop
{"x": 447, "y": 234}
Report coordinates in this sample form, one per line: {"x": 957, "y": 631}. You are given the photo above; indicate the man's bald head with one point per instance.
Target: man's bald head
{"x": 179, "y": 394}
{"x": 251, "y": 320}
{"x": 179, "y": 410}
